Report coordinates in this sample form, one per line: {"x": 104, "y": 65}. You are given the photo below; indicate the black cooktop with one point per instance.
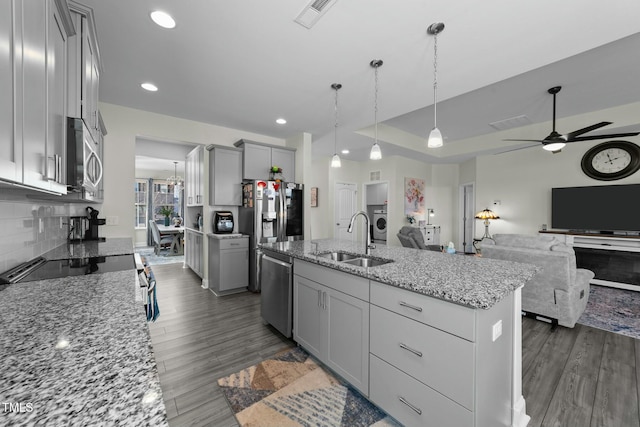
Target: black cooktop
{"x": 54, "y": 269}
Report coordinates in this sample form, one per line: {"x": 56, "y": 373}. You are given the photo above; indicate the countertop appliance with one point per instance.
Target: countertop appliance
{"x": 379, "y": 225}
{"x": 223, "y": 222}
{"x": 84, "y": 162}
{"x": 40, "y": 269}
{"x": 276, "y": 305}
{"x": 271, "y": 211}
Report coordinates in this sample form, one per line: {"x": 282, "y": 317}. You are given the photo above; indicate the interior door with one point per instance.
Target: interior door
{"x": 345, "y": 207}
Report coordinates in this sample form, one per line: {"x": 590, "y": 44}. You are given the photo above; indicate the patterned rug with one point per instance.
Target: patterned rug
{"x": 290, "y": 389}
{"x": 615, "y": 310}
{"x": 163, "y": 258}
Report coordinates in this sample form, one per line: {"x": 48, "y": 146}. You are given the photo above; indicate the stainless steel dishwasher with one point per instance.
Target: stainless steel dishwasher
{"x": 276, "y": 277}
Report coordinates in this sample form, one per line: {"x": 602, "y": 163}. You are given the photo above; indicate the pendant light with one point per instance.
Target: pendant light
{"x": 376, "y": 153}
{"x": 335, "y": 160}
{"x": 175, "y": 179}
{"x": 435, "y": 137}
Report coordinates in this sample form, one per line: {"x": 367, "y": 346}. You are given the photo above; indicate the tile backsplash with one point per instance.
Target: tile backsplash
{"x": 31, "y": 228}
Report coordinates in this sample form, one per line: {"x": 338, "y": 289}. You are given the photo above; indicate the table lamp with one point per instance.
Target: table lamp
{"x": 486, "y": 215}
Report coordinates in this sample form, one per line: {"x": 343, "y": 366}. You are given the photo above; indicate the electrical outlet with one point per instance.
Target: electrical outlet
{"x": 40, "y": 225}
{"x": 112, "y": 220}
{"x": 497, "y": 330}
{"x": 61, "y": 223}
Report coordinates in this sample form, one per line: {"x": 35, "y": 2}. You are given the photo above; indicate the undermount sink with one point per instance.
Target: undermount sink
{"x": 339, "y": 256}
{"x": 368, "y": 262}
{"x": 354, "y": 259}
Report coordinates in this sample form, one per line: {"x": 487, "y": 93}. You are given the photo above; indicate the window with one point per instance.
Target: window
{"x": 165, "y": 196}
{"x": 141, "y": 198}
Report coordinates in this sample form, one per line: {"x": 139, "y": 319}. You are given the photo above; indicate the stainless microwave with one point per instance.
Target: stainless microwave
{"x": 84, "y": 162}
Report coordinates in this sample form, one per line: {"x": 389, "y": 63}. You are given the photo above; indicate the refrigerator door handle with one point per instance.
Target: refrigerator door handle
{"x": 282, "y": 220}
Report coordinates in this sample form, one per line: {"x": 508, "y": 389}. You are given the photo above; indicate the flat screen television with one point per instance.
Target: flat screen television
{"x": 604, "y": 208}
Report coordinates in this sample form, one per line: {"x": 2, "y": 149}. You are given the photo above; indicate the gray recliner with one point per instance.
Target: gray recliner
{"x": 560, "y": 290}
{"x": 411, "y": 237}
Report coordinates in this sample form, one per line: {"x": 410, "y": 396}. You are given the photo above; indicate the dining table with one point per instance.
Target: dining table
{"x": 177, "y": 235}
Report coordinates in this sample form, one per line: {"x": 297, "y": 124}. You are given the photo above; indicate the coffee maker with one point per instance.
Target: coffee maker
{"x": 94, "y": 222}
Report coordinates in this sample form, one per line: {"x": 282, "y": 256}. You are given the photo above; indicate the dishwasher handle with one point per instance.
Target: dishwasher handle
{"x": 276, "y": 261}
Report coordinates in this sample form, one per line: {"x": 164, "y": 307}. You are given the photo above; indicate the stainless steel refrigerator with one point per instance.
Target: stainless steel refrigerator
{"x": 271, "y": 211}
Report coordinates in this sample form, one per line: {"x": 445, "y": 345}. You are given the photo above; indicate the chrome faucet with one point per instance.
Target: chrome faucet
{"x": 368, "y": 244}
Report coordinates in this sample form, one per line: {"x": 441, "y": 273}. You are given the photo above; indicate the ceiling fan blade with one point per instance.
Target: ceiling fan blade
{"x": 572, "y": 135}
{"x": 517, "y": 148}
{"x": 613, "y": 135}
{"x": 525, "y": 140}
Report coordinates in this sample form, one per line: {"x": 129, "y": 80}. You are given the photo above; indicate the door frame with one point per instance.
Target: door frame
{"x": 462, "y": 214}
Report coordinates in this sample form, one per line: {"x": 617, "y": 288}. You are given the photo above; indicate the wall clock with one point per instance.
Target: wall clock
{"x": 611, "y": 160}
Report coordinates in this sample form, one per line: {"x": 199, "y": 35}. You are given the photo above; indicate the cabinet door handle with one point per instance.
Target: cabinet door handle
{"x": 406, "y": 347}
{"x": 412, "y": 307}
{"x": 324, "y": 300}
{"x": 319, "y": 298}
{"x": 417, "y": 410}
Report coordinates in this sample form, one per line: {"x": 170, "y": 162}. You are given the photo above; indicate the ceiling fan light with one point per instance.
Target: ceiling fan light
{"x": 554, "y": 146}
{"x": 376, "y": 153}
{"x": 335, "y": 161}
{"x": 435, "y": 139}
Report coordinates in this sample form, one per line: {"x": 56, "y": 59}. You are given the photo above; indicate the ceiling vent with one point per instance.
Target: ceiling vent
{"x": 313, "y": 11}
{"x": 513, "y": 122}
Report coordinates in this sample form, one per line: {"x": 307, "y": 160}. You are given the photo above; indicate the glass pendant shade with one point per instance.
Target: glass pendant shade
{"x": 335, "y": 161}
{"x": 435, "y": 138}
{"x": 554, "y": 146}
{"x": 375, "y": 154}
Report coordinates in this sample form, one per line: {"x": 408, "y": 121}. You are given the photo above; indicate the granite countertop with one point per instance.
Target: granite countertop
{"x": 467, "y": 280}
{"x": 77, "y": 351}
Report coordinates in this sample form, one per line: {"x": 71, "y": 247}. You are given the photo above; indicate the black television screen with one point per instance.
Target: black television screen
{"x": 597, "y": 208}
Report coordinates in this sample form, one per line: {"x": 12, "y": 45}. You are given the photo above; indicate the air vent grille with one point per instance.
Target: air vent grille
{"x": 374, "y": 176}
{"x": 510, "y": 123}
{"x": 313, "y": 11}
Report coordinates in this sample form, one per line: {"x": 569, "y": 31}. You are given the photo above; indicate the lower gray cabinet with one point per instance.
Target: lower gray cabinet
{"x": 332, "y": 325}
{"x": 228, "y": 264}
{"x": 193, "y": 251}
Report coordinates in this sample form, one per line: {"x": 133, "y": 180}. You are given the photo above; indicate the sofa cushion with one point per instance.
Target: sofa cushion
{"x": 541, "y": 242}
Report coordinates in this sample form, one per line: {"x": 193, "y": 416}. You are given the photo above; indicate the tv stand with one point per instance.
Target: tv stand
{"x": 614, "y": 258}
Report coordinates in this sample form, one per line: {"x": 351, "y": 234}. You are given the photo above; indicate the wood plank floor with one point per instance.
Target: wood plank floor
{"x": 582, "y": 377}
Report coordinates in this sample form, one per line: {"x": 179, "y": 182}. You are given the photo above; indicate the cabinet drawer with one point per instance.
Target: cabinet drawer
{"x": 449, "y": 317}
{"x": 344, "y": 282}
{"x": 424, "y": 407}
{"x": 234, "y": 243}
{"x": 440, "y": 360}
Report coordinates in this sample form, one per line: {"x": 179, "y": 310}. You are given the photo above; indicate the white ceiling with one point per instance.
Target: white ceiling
{"x": 244, "y": 63}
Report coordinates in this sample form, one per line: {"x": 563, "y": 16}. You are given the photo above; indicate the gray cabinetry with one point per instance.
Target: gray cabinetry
{"x": 377, "y": 194}
{"x": 228, "y": 264}
{"x": 193, "y": 251}
{"x": 11, "y": 146}
{"x": 258, "y": 159}
{"x": 194, "y": 180}
{"x": 434, "y": 363}
{"x": 225, "y": 176}
{"x": 333, "y": 324}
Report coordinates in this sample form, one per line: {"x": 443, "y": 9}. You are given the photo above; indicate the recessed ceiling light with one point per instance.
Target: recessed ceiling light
{"x": 345, "y": 151}
{"x": 281, "y": 121}
{"x": 163, "y": 19}
{"x": 149, "y": 86}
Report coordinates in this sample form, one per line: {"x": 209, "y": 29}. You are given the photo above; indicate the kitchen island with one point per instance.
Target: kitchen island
{"x": 76, "y": 350}
{"x": 432, "y": 338}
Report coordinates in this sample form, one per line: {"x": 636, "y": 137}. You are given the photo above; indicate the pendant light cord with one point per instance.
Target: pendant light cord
{"x": 375, "y": 105}
{"x": 435, "y": 80}
{"x": 335, "y": 128}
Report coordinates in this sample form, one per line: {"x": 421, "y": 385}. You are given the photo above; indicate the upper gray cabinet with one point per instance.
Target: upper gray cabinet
{"x": 10, "y": 147}
{"x": 84, "y": 70}
{"x": 258, "y": 159}
{"x": 194, "y": 177}
{"x": 225, "y": 176}
{"x": 32, "y": 107}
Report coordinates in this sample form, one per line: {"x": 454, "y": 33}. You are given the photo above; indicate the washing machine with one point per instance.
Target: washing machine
{"x": 380, "y": 225}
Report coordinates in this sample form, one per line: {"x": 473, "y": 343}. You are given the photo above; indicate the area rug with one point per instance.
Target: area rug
{"x": 163, "y": 258}
{"x": 615, "y": 310}
{"x": 291, "y": 389}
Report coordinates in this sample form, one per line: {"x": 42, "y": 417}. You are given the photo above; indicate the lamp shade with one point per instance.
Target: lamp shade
{"x": 375, "y": 154}
{"x": 487, "y": 214}
{"x": 335, "y": 161}
{"x": 554, "y": 146}
{"x": 435, "y": 139}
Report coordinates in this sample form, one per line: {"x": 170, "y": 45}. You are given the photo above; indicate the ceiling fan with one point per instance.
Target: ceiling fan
{"x": 555, "y": 142}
